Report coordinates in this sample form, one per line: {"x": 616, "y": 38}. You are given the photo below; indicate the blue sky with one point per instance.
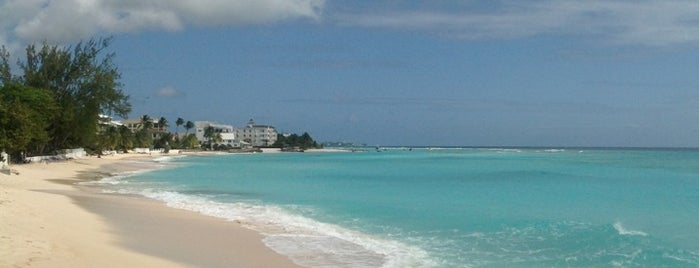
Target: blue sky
{"x": 474, "y": 73}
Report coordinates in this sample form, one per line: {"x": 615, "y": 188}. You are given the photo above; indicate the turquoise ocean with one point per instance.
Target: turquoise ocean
{"x": 448, "y": 207}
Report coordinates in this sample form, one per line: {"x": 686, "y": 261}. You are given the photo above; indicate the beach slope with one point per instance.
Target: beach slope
{"x": 49, "y": 221}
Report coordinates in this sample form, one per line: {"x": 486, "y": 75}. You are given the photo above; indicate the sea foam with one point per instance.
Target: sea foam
{"x": 623, "y": 231}
{"x": 167, "y": 158}
{"x": 306, "y": 241}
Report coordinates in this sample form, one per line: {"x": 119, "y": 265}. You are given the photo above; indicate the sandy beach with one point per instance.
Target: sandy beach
{"x": 50, "y": 221}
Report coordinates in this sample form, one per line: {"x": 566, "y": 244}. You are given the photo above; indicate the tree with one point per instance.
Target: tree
{"x": 189, "y": 125}
{"x": 304, "y": 141}
{"x": 162, "y": 124}
{"x": 189, "y": 141}
{"x": 164, "y": 141}
{"x": 146, "y": 122}
{"x": 178, "y": 123}
{"x": 143, "y": 137}
{"x": 5, "y": 74}
{"x": 25, "y": 115}
{"x": 16, "y": 127}
{"x": 212, "y": 136}
{"x": 109, "y": 139}
{"x": 83, "y": 82}
{"x": 126, "y": 139}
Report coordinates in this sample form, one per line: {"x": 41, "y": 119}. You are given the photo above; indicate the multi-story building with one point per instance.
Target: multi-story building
{"x": 252, "y": 135}
{"x": 257, "y": 135}
{"x": 227, "y": 132}
{"x": 136, "y": 125}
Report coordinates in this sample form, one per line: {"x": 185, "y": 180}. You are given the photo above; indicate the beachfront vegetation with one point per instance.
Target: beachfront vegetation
{"x": 65, "y": 97}
{"x": 25, "y": 114}
{"x": 189, "y": 141}
{"x": 56, "y": 100}
{"x": 189, "y": 125}
{"x": 178, "y": 123}
{"x": 212, "y": 137}
{"x": 305, "y": 141}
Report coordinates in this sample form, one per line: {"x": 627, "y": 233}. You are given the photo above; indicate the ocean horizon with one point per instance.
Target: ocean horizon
{"x": 443, "y": 206}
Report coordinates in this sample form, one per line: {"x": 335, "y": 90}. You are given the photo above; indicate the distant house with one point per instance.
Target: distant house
{"x": 136, "y": 124}
{"x": 257, "y": 135}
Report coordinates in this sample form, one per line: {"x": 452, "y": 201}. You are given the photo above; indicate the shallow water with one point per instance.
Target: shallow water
{"x": 449, "y": 207}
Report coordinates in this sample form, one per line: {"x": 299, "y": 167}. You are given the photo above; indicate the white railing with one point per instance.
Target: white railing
{"x": 62, "y": 155}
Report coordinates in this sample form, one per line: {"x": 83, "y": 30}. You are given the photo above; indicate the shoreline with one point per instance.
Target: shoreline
{"x": 51, "y": 221}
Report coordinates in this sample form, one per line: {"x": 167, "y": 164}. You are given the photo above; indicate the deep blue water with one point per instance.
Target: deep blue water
{"x": 450, "y": 207}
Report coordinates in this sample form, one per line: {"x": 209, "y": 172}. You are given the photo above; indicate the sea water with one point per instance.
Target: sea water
{"x": 451, "y": 207}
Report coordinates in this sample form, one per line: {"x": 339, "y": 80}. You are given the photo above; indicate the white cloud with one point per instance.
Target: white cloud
{"x": 169, "y": 92}
{"x": 632, "y": 22}
{"x": 644, "y": 22}
{"x": 70, "y": 20}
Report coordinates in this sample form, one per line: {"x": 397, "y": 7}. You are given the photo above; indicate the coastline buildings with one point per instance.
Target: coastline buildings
{"x": 252, "y": 135}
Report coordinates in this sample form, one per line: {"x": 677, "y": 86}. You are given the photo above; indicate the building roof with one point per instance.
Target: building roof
{"x": 261, "y": 126}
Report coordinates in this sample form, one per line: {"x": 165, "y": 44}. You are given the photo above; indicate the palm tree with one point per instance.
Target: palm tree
{"x": 146, "y": 122}
{"x": 162, "y": 123}
{"x": 189, "y": 125}
{"x": 144, "y": 137}
{"x": 212, "y": 136}
{"x": 179, "y": 122}
{"x": 112, "y": 137}
{"x": 126, "y": 140}
{"x": 208, "y": 134}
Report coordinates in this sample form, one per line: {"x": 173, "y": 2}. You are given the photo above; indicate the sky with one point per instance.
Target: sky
{"x": 390, "y": 72}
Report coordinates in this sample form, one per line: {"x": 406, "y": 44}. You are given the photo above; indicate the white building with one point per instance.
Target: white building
{"x": 252, "y": 135}
{"x": 228, "y": 133}
{"x": 257, "y": 135}
{"x": 105, "y": 121}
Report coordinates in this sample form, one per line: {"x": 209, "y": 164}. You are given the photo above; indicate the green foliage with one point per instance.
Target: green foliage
{"x": 5, "y": 75}
{"x": 305, "y": 141}
{"x": 126, "y": 139}
{"x": 143, "y": 139}
{"x": 82, "y": 83}
{"x": 179, "y": 122}
{"x": 162, "y": 123}
{"x": 212, "y": 136}
{"x": 164, "y": 141}
{"x": 146, "y": 122}
{"x": 25, "y": 114}
{"x": 209, "y": 133}
{"x": 189, "y": 141}
{"x": 109, "y": 139}
{"x": 189, "y": 125}
{"x": 16, "y": 127}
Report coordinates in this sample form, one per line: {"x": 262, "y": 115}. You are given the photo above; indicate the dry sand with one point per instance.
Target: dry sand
{"x": 48, "y": 221}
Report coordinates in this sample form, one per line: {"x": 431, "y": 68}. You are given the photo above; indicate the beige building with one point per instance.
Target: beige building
{"x": 136, "y": 124}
